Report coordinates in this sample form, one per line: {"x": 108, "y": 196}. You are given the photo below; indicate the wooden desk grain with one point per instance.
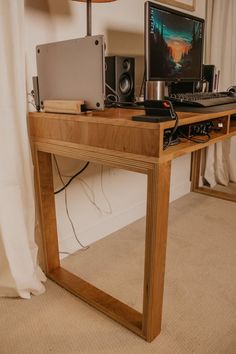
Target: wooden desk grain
{"x": 111, "y": 138}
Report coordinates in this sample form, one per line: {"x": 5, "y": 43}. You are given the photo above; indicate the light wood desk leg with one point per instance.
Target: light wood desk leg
{"x": 195, "y": 169}
{"x": 155, "y": 251}
{"x": 44, "y": 180}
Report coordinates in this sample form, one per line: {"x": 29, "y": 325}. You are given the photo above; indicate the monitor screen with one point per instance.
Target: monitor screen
{"x": 173, "y": 44}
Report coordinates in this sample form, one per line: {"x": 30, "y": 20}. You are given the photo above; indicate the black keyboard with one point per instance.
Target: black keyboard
{"x": 202, "y": 99}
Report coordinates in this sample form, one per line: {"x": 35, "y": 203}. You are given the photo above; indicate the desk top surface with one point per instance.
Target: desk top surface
{"x": 123, "y": 116}
{"x": 114, "y": 129}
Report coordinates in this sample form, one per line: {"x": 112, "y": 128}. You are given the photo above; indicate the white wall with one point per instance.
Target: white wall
{"x": 122, "y": 23}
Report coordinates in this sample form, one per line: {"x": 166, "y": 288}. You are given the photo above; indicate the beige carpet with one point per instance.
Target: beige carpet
{"x": 199, "y": 313}
{"x": 231, "y": 188}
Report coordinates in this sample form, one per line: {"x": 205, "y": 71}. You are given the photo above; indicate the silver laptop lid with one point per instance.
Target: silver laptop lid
{"x": 72, "y": 70}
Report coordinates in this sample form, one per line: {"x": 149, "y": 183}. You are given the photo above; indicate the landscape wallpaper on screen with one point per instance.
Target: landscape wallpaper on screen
{"x": 175, "y": 45}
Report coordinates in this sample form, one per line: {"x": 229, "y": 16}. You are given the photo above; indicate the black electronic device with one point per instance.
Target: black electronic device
{"x": 208, "y": 74}
{"x": 120, "y": 78}
{"x": 203, "y": 99}
{"x": 156, "y": 111}
{"x": 197, "y": 129}
{"x": 173, "y": 44}
{"x": 181, "y": 87}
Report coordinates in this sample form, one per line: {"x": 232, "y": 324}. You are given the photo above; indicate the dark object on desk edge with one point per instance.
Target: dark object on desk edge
{"x": 151, "y": 118}
{"x": 156, "y": 111}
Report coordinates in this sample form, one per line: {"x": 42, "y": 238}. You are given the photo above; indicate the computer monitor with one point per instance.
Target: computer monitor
{"x": 173, "y": 44}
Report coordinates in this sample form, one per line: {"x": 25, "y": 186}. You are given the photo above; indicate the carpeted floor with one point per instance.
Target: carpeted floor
{"x": 230, "y": 188}
{"x": 199, "y": 314}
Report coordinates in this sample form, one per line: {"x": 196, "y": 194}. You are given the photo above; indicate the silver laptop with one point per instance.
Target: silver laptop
{"x": 72, "y": 70}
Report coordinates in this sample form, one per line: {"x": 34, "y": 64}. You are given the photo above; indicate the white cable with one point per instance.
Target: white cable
{"x": 105, "y": 197}
{"x": 66, "y": 206}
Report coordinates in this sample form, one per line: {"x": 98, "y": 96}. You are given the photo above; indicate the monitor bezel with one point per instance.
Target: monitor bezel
{"x": 148, "y": 77}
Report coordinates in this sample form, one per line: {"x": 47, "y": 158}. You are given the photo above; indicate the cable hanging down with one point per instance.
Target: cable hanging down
{"x": 66, "y": 203}
{"x": 71, "y": 179}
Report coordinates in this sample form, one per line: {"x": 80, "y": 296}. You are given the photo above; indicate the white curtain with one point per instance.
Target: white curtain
{"x": 19, "y": 273}
{"x": 221, "y": 51}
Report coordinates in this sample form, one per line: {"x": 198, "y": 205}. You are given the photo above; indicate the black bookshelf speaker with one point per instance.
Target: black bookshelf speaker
{"x": 208, "y": 74}
{"x": 120, "y": 76}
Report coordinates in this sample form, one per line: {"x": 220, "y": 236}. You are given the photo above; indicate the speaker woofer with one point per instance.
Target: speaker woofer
{"x": 125, "y": 84}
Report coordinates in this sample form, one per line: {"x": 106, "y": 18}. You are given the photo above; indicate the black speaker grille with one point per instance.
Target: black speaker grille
{"x": 120, "y": 73}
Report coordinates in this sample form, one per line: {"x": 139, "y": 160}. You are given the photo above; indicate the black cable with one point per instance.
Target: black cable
{"x": 71, "y": 179}
{"x": 66, "y": 206}
{"x": 195, "y": 140}
{"x": 172, "y": 133}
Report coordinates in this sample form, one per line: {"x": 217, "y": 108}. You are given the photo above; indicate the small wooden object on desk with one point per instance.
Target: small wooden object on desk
{"x": 64, "y": 106}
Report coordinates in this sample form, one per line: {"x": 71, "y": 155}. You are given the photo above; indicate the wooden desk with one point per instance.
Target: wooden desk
{"x": 111, "y": 138}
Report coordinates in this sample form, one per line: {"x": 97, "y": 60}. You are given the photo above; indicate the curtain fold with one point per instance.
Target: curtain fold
{"x": 19, "y": 272}
{"x": 220, "y": 50}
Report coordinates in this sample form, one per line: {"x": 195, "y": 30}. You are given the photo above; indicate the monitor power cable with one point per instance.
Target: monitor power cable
{"x": 65, "y": 185}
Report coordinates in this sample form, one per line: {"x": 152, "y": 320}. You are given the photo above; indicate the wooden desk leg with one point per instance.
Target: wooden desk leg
{"x": 44, "y": 180}
{"x": 147, "y": 325}
{"x": 155, "y": 250}
{"x": 195, "y": 169}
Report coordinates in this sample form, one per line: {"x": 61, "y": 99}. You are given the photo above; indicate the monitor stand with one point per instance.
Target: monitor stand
{"x": 155, "y": 90}
{"x": 156, "y": 108}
